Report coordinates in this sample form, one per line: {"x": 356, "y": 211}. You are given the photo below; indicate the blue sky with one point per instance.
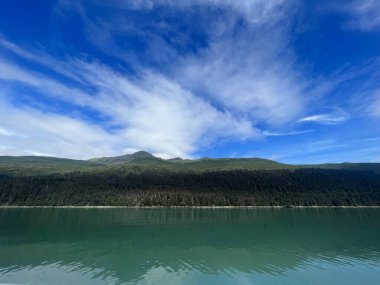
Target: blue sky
{"x": 295, "y": 81}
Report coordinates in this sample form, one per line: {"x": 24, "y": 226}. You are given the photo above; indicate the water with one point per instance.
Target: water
{"x": 190, "y": 246}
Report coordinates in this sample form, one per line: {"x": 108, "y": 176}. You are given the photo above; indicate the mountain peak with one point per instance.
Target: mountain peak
{"x": 140, "y": 154}
{"x": 175, "y": 159}
{"x": 123, "y": 158}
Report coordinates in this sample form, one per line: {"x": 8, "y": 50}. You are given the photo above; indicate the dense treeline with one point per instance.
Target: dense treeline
{"x": 220, "y": 188}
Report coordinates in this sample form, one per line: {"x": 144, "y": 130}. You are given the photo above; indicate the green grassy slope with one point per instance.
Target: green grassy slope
{"x": 32, "y": 165}
{"x": 123, "y": 158}
{"x": 206, "y": 164}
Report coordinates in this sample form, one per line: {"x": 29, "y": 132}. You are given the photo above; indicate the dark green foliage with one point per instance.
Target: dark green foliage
{"x": 140, "y": 179}
{"x": 160, "y": 187}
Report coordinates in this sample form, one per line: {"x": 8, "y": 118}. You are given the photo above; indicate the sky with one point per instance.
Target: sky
{"x": 289, "y": 80}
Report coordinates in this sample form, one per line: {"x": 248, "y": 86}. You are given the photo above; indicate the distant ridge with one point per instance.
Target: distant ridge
{"x": 30, "y": 165}
{"x": 141, "y": 179}
{"x": 175, "y": 159}
{"x": 123, "y": 158}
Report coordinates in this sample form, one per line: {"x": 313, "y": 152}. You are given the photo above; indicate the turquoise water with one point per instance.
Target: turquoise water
{"x": 190, "y": 246}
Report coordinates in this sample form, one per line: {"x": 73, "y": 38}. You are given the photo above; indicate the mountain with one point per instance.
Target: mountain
{"x": 123, "y": 158}
{"x": 141, "y": 179}
{"x": 25, "y": 165}
{"x": 29, "y": 165}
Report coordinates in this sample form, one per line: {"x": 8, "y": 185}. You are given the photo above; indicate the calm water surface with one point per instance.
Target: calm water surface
{"x": 190, "y": 246}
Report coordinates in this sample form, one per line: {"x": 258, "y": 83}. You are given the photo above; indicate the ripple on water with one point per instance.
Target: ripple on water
{"x": 118, "y": 246}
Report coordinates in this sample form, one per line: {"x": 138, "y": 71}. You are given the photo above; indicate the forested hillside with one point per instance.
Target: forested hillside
{"x": 141, "y": 179}
{"x": 322, "y": 187}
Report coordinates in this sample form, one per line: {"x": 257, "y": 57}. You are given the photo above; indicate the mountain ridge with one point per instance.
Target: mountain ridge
{"x": 145, "y": 160}
{"x": 123, "y": 158}
{"x": 141, "y": 179}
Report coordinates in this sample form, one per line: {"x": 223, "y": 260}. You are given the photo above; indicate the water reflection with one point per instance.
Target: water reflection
{"x": 114, "y": 246}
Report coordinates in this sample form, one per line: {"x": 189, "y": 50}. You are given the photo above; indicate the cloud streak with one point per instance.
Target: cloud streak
{"x": 325, "y": 119}
{"x": 173, "y": 77}
{"x": 247, "y": 65}
{"x": 150, "y": 112}
{"x": 365, "y": 14}
{"x": 157, "y": 111}
{"x": 280, "y": 134}
{"x": 374, "y": 107}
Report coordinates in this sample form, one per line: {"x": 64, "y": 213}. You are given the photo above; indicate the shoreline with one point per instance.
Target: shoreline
{"x": 187, "y": 207}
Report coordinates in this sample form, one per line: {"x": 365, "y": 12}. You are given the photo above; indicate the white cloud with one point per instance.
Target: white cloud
{"x": 374, "y": 106}
{"x": 290, "y": 133}
{"x": 337, "y": 149}
{"x": 246, "y": 68}
{"x": 150, "y": 112}
{"x": 326, "y": 119}
{"x": 248, "y": 77}
{"x": 365, "y": 14}
{"x": 52, "y": 134}
{"x": 249, "y": 68}
{"x": 5, "y": 132}
{"x": 255, "y": 11}
{"x": 40, "y": 57}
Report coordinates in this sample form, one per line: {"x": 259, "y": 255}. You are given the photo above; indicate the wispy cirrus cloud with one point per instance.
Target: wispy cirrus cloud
{"x": 246, "y": 65}
{"x": 324, "y": 150}
{"x": 374, "y": 106}
{"x": 255, "y": 11}
{"x": 365, "y": 14}
{"x": 49, "y": 133}
{"x": 289, "y": 133}
{"x": 157, "y": 110}
{"x": 172, "y": 77}
{"x": 149, "y": 112}
{"x": 244, "y": 79}
{"x": 326, "y": 119}
{"x": 6, "y": 132}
